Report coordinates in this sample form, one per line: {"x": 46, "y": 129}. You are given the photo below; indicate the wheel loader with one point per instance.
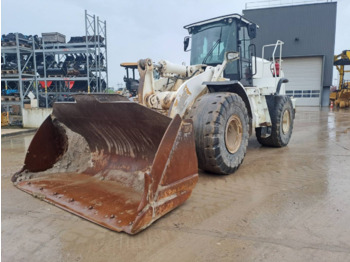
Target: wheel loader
{"x": 124, "y": 164}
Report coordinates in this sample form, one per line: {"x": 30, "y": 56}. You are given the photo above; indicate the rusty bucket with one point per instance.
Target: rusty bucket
{"x": 115, "y": 163}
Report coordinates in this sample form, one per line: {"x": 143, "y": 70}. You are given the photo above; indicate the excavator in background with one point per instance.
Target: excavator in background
{"x": 124, "y": 164}
{"x": 341, "y": 97}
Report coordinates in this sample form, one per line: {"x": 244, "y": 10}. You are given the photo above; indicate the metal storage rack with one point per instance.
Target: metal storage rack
{"x": 94, "y": 48}
{"x": 19, "y": 81}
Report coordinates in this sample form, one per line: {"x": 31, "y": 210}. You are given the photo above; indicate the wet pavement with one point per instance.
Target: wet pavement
{"x": 283, "y": 204}
{"x": 5, "y": 132}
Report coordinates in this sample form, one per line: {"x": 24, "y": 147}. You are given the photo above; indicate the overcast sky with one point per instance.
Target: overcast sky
{"x": 135, "y": 29}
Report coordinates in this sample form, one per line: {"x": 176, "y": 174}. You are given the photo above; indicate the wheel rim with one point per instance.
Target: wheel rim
{"x": 233, "y": 134}
{"x": 285, "y": 122}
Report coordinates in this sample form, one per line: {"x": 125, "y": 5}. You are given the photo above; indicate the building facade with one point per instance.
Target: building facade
{"x": 308, "y": 33}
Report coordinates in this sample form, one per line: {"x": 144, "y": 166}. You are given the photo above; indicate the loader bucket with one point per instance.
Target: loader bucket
{"x": 115, "y": 163}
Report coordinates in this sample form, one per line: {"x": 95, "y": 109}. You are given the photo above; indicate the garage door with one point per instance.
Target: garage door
{"x": 305, "y": 79}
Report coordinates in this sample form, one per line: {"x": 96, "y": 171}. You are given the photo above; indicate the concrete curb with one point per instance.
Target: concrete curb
{"x": 15, "y": 133}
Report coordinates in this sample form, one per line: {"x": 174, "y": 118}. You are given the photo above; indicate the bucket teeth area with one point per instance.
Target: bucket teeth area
{"x": 107, "y": 203}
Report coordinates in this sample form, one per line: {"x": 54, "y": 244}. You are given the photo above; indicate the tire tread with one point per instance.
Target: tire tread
{"x": 208, "y": 115}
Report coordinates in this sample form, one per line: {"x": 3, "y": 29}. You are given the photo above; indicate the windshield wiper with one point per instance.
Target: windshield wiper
{"x": 213, "y": 47}
{"x": 211, "y": 50}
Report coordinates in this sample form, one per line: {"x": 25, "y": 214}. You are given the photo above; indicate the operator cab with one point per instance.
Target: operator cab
{"x": 212, "y": 38}
{"x": 131, "y": 83}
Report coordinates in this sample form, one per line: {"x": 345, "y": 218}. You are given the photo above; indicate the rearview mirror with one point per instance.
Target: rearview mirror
{"x": 252, "y": 30}
{"x": 231, "y": 56}
{"x": 186, "y": 43}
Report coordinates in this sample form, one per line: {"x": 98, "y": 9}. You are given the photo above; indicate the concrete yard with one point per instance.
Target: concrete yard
{"x": 283, "y": 204}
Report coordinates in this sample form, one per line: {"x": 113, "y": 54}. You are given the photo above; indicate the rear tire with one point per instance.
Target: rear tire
{"x": 282, "y": 117}
{"x": 221, "y": 127}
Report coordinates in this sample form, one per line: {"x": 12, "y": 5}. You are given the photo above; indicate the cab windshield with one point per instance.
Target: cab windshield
{"x": 210, "y": 42}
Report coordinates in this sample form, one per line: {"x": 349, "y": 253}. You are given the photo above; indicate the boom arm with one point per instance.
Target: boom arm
{"x": 182, "y": 85}
{"x": 340, "y": 61}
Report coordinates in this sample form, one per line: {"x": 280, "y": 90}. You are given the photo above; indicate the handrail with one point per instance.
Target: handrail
{"x": 279, "y": 44}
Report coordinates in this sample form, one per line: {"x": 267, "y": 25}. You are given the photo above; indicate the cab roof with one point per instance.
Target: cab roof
{"x": 219, "y": 18}
{"x": 129, "y": 65}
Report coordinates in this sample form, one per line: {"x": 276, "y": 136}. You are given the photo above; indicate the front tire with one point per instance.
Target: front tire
{"x": 221, "y": 127}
